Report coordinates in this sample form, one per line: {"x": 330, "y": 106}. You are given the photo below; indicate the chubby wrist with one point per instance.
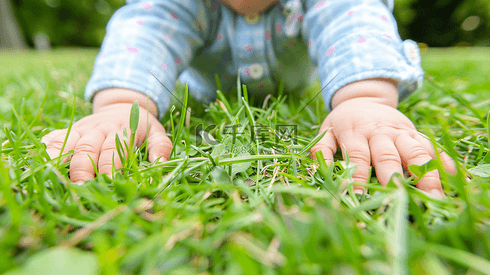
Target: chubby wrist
{"x": 381, "y": 90}
{"x": 112, "y": 96}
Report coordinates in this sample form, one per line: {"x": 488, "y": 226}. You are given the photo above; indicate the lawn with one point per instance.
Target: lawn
{"x": 264, "y": 208}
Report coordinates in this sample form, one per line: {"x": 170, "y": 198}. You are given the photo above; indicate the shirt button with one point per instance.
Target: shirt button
{"x": 256, "y": 71}
{"x": 252, "y": 18}
{"x": 411, "y": 50}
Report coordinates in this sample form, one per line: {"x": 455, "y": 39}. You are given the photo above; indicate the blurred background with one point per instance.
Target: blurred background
{"x": 45, "y": 24}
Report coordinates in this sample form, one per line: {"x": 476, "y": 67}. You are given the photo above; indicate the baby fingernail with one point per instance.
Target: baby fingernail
{"x": 436, "y": 193}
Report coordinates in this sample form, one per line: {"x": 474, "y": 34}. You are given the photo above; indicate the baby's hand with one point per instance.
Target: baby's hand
{"x": 371, "y": 131}
{"x": 95, "y": 136}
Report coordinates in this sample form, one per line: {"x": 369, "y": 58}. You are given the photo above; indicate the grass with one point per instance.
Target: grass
{"x": 264, "y": 208}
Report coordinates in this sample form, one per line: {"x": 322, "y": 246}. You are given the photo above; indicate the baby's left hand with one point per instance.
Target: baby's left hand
{"x": 374, "y": 132}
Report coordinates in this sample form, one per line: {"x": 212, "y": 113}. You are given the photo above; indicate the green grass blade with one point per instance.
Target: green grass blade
{"x": 134, "y": 117}
{"x": 69, "y": 129}
{"x": 312, "y": 143}
{"x": 488, "y": 129}
{"x": 398, "y": 241}
{"x": 120, "y": 151}
{"x": 183, "y": 115}
{"x": 462, "y": 257}
{"x": 218, "y": 83}
{"x": 239, "y": 88}
{"x": 245, "y": 92}
{"x": 40, "y": 107}
{"x": 14, "y": 207}
{"x": 33, "y": 138}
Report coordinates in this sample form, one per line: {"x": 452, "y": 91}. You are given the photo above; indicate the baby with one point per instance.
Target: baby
{"x": 351, "y": 45}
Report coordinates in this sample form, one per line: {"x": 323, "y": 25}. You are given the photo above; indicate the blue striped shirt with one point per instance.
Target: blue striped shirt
{"x": 150, "y": 44}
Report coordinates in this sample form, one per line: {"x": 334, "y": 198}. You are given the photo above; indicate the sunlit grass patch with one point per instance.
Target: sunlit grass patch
{"x": 240, "y": 195}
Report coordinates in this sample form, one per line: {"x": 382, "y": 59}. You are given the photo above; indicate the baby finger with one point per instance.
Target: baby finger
{"x": 55, "y": 144}
{"x": 81, "y": 167}
{"x": 447, "y": 161}
{"x": 414, "y": 152}
{"x": 108, "y": 152}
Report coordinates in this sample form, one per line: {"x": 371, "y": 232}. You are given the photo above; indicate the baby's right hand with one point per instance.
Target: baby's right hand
{"x": 95, "y": 136}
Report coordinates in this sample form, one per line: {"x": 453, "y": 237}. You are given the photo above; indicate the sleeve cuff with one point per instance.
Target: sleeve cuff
{"x": 147, "y": 45}
{"x": 401, "y": 63}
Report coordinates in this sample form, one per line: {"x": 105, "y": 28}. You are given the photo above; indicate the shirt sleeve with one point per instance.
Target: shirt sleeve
{"x": 352, "y": 40}
{"x": 147, "y": 45}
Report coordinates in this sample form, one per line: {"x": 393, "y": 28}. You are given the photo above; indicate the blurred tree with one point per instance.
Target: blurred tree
{"x": 10, "y": 33}
{"x": 443, "y": 23}
{"x": 66, "y": 22}
{"x": 82, "y": 23}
